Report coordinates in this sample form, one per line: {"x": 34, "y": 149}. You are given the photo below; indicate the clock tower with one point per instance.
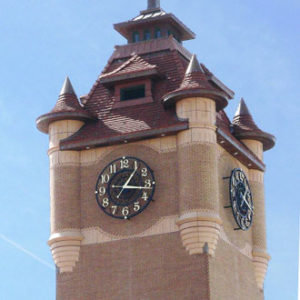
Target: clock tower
{"x": 154, "y": 192}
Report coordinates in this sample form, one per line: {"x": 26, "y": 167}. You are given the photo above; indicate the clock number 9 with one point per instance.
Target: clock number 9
{"x": 102, "y": 190}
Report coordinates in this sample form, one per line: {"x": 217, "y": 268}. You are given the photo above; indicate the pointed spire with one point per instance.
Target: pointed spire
{"x": 153, "y": 4}
{"x": 194, "y": 66}
{"x": 243, "y": 115}
{"x": 197, "y": 83}
{"x": 244, "y": 127}
{"x": 67, "y": 88}
{"x": 242, "y": 109}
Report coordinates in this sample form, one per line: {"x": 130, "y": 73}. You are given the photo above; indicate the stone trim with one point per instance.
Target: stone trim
{"x": 95, "y": 235}
{"x": 199, "y": 215}
{"x": 199, "y": 235}
{"x": 260, "y": 262}
{"x": 65, "y": 248}
{"x": 200, "y": 232}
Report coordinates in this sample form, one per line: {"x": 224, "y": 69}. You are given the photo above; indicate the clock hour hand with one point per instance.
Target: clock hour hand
{"x": 132, "y": 187}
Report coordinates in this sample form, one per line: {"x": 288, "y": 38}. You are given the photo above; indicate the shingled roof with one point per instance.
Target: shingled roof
{"x": 174, "y": 74}
{"x": 135, "y": 67}
{"x": 67, "y": 107}
{"x": 115, "y": 125}
{"x": 197, "y": 83}
{"x": 244, "y": 127}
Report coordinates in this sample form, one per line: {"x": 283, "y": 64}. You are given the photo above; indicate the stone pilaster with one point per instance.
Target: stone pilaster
{"x": 65, "y": 236}
{"x": 199, "y": 220}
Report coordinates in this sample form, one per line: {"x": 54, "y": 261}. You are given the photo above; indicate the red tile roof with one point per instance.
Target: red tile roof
{"x": 138, "y": 121}
{"x": 112, "y": 124}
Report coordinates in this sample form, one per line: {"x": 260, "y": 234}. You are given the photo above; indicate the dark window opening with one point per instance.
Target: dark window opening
{"x": 147, "y": 35}
{"x": 157, "y": 33}
{"x": 135, "y": 37}
{"x": 133, "y": 92}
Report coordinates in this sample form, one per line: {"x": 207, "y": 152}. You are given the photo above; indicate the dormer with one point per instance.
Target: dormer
{"x": 131, "y": 83}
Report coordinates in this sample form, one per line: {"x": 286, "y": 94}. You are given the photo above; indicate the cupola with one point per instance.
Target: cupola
{"x": 154, "y": 23}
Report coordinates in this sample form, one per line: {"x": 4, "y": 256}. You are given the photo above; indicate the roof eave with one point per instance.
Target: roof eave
{"x": 268, "y": 140}
{"x": 118, "y": 139}
{"x": 129, "y": 76}
{"x": 43, "y": 121}
{"x": 243, "y": 154}
{"x": 173, "y": 97}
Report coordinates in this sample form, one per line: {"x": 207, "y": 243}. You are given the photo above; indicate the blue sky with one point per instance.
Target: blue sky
{"x": 252, "y": 46}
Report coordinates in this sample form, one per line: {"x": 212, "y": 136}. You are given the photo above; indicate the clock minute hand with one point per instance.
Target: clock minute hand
{"x": 126, "y": 183}
{"x": 130, "y": 177}
{"x": 247, "y": 203}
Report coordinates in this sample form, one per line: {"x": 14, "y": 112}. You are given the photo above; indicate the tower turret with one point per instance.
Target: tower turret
{"x": 197, "y": 83}
{"x": 65, "y": 119}
{"x": 196, "y": 100}
{"x": 67, "y": 107}
{"x": 245, "y": 129}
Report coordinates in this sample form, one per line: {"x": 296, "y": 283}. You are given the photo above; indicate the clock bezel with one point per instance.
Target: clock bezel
{"x": 150, "y": 197}
{"x": 234, "y": 212}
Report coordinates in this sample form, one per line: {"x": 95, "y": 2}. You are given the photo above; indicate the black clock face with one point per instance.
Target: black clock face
{"x": 125, "y": 187}
{"x": 241, "y": 199}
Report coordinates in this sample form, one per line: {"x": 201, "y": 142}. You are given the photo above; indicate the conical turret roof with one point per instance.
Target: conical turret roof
{"x": 244, "y": 127}
{"x": 196, "y": 83}
{"x": 67, "y": 87}
{"x": 67, "y": 107}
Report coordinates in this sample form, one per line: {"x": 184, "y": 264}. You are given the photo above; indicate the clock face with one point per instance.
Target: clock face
{"x": 241, "y": 199}
{"x": 125, "y": 187}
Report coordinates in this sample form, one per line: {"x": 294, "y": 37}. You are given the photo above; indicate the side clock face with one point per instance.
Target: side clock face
{"x": 125, "y": 187}
{"x": 241, "y": 199}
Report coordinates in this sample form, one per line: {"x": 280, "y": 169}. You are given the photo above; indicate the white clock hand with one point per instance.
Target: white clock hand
{"x": 248, "y": 205}
{"x": 126, "y": 183}
{"x": 131, "y": 187}
{"x": 246, "y": 201}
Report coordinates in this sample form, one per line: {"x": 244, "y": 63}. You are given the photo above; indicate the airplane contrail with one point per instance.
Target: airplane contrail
{"x": 22, "y": 249}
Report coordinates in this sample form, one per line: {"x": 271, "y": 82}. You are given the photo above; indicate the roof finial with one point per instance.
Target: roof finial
{"x": 193, "y": 66}
{"x": 67, "y": 88}
{"x": 152, "y": 4}
{"x": 242, "y": 109}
